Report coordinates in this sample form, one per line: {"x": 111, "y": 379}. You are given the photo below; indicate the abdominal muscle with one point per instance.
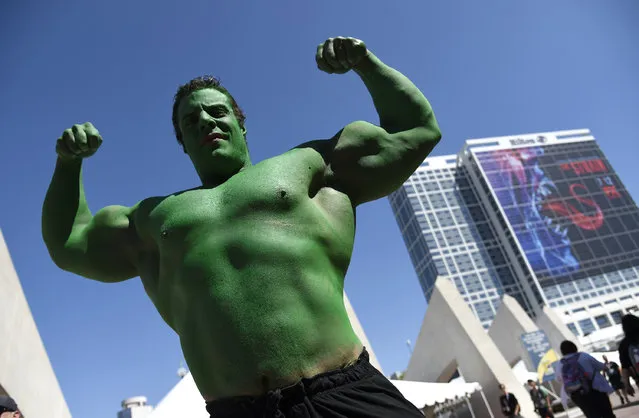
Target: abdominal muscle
{"x": 257, "y": 311}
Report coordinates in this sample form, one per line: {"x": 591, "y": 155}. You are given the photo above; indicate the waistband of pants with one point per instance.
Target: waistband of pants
{"x": 293, "y": 394}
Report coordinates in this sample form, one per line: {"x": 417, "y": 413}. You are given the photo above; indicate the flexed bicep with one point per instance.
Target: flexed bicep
{"x": 368, "y": 163}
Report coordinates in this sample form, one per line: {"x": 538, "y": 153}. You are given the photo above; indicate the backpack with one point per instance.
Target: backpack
{"x": 574, "y": 376}
{"x": 538, "y": 398}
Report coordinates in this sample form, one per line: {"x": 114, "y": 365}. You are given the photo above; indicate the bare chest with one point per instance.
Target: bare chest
{"x": 285, "y": 189}
{"x": 274, "y": 219}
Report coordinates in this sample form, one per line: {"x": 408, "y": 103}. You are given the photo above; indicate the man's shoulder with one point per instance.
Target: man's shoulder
{"x": 146, "y": 205}
{"x": 585, "y": 357}
{"x": 322, "y": 146}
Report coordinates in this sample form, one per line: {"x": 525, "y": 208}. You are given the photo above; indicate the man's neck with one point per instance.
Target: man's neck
{"x": 212, "y": 182}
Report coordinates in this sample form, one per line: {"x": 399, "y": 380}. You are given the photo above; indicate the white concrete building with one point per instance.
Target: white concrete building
{"x": 135, "y": 407}
{"x": 541, "y": 217}
{"x": 452, "y": 339}
{"x": 25, "y": 371}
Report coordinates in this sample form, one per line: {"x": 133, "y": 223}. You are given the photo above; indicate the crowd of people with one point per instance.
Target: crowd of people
{"x": 586, "y": 381}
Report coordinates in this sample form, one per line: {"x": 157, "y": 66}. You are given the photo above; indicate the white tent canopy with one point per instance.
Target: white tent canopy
{"x": 184, "y": 399}
{"x": 422, "y": 394}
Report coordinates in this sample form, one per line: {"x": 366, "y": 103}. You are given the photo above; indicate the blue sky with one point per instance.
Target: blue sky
{"x": 488, "y": 68}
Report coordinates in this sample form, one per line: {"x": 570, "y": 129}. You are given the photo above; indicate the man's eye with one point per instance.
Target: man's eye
{"x": 217, "y": 112}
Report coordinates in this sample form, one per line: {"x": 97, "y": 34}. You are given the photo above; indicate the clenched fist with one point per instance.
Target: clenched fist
{"x": 80, "y": 141}
{"x": 339, "y": 55}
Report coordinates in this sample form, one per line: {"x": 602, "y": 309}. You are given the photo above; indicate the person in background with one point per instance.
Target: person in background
{"x": 582, "y": 380}
{"x": 9, "y": 408}
{"x": 509, "y": 403}
{"x": 541, "y": 399}
{"x": 629, "y": 352}
{"x": 614, "y": 377}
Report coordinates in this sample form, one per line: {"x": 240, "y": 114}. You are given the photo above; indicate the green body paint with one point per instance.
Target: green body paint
{"x": 249, "y": 268}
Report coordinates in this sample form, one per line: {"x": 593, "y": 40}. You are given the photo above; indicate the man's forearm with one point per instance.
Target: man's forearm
{"x": 65, "y": 207}
{"x": 399, "y": 103}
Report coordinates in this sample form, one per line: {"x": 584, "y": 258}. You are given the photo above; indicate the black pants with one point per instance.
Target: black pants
{"x": 356, "y": 391}
{"x": 593, "y": 404}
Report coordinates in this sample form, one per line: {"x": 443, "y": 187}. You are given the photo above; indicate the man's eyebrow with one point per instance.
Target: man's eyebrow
{"x": 216, "y": 105}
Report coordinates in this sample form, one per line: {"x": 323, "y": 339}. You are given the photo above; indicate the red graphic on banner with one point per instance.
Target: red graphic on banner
{"x": 585, "y": 167}
{"x": 611, "y": 192}
{"x": 583, "y": 221}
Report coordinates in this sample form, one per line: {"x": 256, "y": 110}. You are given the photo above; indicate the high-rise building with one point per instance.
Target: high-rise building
{"x": 542, "y": 217}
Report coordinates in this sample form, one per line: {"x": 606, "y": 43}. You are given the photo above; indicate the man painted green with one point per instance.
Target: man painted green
{"x": 248, "y": 268}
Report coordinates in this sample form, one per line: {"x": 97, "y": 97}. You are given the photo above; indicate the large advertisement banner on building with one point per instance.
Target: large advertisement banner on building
{"x": 541, "y": 354}
{"x": 567, "y": 207}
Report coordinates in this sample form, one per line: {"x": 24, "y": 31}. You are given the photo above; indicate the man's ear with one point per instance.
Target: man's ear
{"x": 244, "y": 133}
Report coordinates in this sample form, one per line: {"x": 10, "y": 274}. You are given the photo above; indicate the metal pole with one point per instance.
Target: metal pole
{"x": 470, "y": 408}
{"x": 410, "y": 347}
{"x": 483, "y": 396}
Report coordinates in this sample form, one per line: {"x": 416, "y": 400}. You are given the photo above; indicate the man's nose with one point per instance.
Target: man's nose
{"x": 206, "y": 121}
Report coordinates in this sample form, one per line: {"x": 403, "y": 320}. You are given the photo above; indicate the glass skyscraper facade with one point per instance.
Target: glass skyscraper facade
{"x": 541, "y": 217}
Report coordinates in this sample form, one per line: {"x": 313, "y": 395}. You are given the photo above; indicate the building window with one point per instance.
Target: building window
{"x": 587, "y": 326}
{"x": 603, "y": 321}
{"x": 573, "y": 328}
{"x": 616, "y": 316}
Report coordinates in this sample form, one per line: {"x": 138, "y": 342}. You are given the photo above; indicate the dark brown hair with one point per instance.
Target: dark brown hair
{"x": 567, "y": 347}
